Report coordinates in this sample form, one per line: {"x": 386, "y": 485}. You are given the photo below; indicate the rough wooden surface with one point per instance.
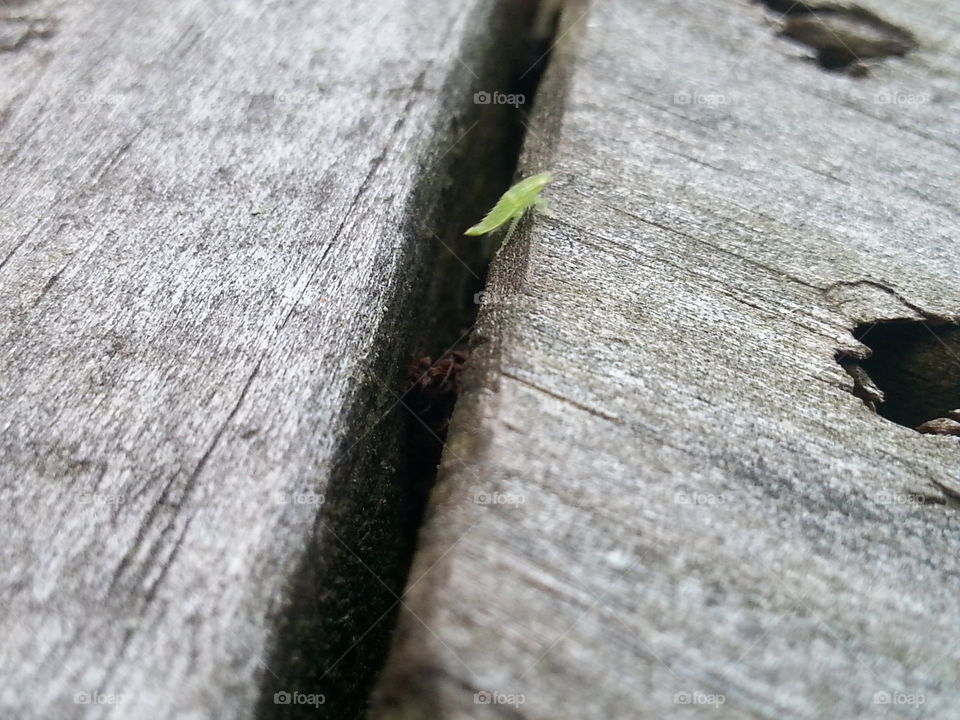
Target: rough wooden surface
{"x": 208, "y": 266}
{"x": 660, "y": 497}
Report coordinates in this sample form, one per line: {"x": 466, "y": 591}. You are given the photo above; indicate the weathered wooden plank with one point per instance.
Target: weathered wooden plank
{"x": 209, "y": 271}
{"x": 660, "y": 497}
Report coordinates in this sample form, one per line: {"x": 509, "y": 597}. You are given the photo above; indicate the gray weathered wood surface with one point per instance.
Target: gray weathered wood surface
{"x": 208, "y": 268}
{"x": 659, "y": 489}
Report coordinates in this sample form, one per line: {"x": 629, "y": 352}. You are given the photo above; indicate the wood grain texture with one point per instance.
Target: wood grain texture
{"x": 209, "y": 267}
{"x": 660, "y": 498}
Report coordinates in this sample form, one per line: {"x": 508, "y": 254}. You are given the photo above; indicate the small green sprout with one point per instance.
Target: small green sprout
{"x": 513, "y": 204}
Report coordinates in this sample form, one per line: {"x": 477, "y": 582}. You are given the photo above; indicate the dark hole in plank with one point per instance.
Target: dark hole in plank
{"x": 842, "y": 36}
{"x": 916, "y": 365}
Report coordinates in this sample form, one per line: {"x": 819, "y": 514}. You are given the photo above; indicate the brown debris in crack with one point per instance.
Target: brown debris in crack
{"x": 431, "y": 395}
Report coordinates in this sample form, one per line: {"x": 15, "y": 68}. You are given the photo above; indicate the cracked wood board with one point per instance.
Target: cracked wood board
{"x": 207, "y": 267}
{"x": 659, "y": 496}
